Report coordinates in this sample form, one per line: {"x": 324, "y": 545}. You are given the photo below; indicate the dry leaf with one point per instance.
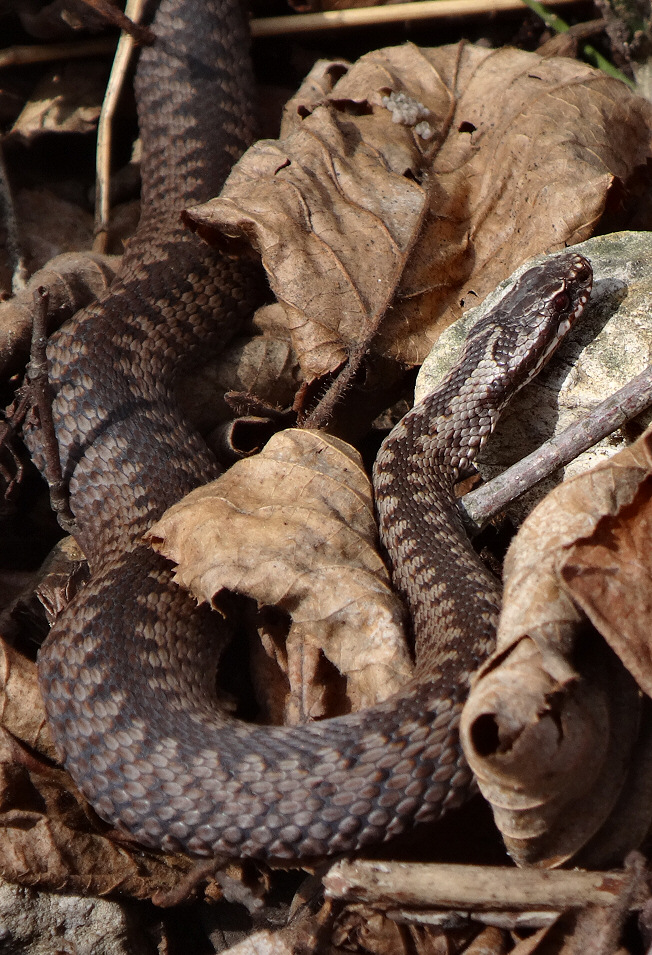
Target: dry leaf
{"x": 264, "y": 365}
{"x": 609, "y": 574}
{"x": 67, "y": 101}
{"x": 491, "y": 941}
{"x": 49, "y": 226}
{"x": 551, "y": 727}
{"x": 22, "y": 712}
{"x": 422, "y": 175}
{"x": 72, "y": 279}
{"x": 58, "y": 19}
{"x": 294, "y": 528}
{"x": 361, "y": 929}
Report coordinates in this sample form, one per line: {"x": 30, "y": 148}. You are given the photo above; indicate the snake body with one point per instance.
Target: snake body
{"x": 128, "y": 670}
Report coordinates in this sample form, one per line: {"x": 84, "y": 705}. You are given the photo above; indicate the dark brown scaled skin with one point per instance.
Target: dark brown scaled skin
{"x": 128, "y": 670}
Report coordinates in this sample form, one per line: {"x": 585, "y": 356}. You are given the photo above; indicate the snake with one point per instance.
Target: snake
{"x": 127, "y": 672}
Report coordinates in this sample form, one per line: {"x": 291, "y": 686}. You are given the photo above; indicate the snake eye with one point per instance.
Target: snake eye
{"x": 560, "y": 301}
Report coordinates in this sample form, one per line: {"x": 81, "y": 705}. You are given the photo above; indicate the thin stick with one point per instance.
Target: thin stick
{"x": 123, "y": 53}
{"x": 12, "y": 474}
{"x": 477, "y": 888}
{"x": 46, "y": 52}
{"x": 110, "y": 13}
{"x": 630, "y": 401}
{"x": 320, "y": 416}
{"x": 590, "y": 52}
{"x": 391, "y": 13}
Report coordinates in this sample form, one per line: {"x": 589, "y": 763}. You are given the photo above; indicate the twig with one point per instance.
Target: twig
{"x": 127, "y": 21}
{"x": 37, "y": 375}
{"x": 391, "y": 13}
{"x": 46, "y": 52}
{"x": 609, "y": 936}
{"x": 625, "y": 404}
{"x": 12, "y": 474}
{"x": 567, "y": 44}
{"x": 560, "y": 26}
{"x": 320, "y": 416}
{"x": 123, "y": 53}
{"x": 480, "y": 888}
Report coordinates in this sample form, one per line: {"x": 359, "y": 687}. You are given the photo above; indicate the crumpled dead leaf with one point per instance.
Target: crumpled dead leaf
{"x": 555, "y": 728}
{"x": 50, "y": 226}
{"x": 73, "y": 279}
{"x": 294, "y": 528}
{"x": 420, "y": 177}
{"x": 609, "y": 574}
{"x": 67, "y": 101}
{"x": 263, "y": 365}
{"x": 22, "y": 712}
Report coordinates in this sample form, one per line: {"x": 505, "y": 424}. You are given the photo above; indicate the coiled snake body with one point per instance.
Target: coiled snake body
{"x": 127, "y": 672}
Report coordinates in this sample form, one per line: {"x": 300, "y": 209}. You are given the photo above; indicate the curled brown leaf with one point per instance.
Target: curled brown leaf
{"x": 554, "y": 726}
{"x": 294, "y": 528}
{"x": 22, "y": 712}
{"x": 419, "y": 178}
{"x": 609, "y": 575}
{"x": 72, "y": 279}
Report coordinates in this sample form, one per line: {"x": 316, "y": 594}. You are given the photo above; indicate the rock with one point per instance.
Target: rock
{"x": 609, "y": 346}
{"x": 40, "y": 923}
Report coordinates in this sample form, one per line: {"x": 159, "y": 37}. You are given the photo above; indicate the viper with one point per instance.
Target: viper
{"x": 128, "y": 671}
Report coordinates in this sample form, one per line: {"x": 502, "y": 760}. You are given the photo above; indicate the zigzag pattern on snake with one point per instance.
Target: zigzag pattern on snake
{"x": 128, "y": 670}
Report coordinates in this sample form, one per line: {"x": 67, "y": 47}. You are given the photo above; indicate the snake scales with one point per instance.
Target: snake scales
{"x": 127, "y": 672}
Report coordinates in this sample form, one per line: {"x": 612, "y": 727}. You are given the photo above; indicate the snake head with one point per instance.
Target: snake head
{"x": 504, "y": 351}
{"x": 536, "y": 314}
